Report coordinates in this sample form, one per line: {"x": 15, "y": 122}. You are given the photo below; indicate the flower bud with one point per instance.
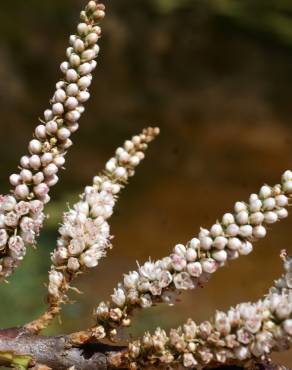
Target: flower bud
{"x": 83, "y": 96}
{"x": 228, "y": 219}
{"x": 84, "y": 82}
{"x": 265, "y": 191}
{"x": 256, "y": 218}
{"x": 14, "y": 179}
{"x": 245, "y": 248}
{"x": 41, "y": 189}
{"x": 35, "y": 162}
{"x": 220, "y": 255}
{"x": 58, "y": 109}
{"x": 38, "y": 178}
{"x": 71, "y": 103}
{"x": 259, "y": 232}
{"x": 60, "y": 96}
{"x": 63, "y": 134}
{"x": 195, "y": 269}
{"x": 209, "y": 265}
{"x": 84, "y": 69}
{"x": 71, "y": 75}
{"x": 51, "y": 127}
{"x": 191, "y": 254}
{"x": 22, "y": 191}
{"x": 40, "y": 132}
{"x": 24, "y": 161}
{"x": 180, "y": 250}
{"x": 220, "y": 242}
{"x": 64, "y": 67}
{"x": 271, "y": 217}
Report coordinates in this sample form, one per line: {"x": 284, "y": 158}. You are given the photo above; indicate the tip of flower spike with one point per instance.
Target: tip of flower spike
{"x": 284, "y": 255}
{"x": 151, "y": 132}
{"x": 95, "y": 10}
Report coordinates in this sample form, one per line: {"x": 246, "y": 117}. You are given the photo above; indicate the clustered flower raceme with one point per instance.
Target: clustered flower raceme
{"x": 21, "y": 214}
{"x": 247, "y": 332}
{"x": 85, "y": 233}
{"x": 193, "y": 264}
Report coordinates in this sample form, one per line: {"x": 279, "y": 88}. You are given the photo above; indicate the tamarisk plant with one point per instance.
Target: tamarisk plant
{"x": 245, "y": 335}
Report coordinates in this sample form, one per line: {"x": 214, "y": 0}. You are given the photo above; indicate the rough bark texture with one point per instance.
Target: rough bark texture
{"x": 58, "y": 353}
{"x": 54, "y": 352}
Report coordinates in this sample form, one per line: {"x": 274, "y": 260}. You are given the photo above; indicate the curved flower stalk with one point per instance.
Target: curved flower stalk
{"x": 85, "y": 232}
{"x": 21, "y": 213}
{"x": 249, "y": 332}
{"x": 191, "y": 265}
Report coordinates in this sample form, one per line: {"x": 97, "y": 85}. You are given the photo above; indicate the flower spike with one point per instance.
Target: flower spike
{"x": 191, "y": 265}
{"x": 245, "y": 334}
{"x": 85, "y": 233}
{"x": 21, "y": 213}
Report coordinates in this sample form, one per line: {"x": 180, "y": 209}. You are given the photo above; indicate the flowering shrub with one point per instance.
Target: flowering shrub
{"x": 245, "y": 335}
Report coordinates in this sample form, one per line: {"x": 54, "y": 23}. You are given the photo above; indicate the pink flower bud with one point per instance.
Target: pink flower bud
{"x": 41, "y": 189}
{"x": 22, "y": 191}
{"x": 26, "y": 175}
{"x": 72, "y": 89}
{"x": 84, "y": 69}
{"x": 63, "y": 133}
{"x": 51, "y": 169}
{"x": 58, "y": 109}
{"x": 51, "y": 127}
{"x": 35, "y": 162}
{"x": 14, "y": 179}
{"x": 40, "y": 132}
{"x": 24, "y": 161}
{"x": 71, "y": 103}
{"x": 71, "y": 75}
{"x": 38, "y": 178}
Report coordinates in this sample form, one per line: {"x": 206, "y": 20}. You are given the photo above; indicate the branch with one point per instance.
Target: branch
{"x": 22, "y": 350}
{"x": 21, "y": 214}
{"x": 85, "y": 233}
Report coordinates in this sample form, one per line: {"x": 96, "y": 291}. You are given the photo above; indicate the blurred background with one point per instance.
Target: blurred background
{"x": 216, "y": 76}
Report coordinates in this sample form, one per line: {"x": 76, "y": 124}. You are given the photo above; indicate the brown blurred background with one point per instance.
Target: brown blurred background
{"x": 216, "y": 76}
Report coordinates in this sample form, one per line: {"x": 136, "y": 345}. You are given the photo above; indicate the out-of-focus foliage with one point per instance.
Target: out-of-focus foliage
{"x": 269, "y": 17}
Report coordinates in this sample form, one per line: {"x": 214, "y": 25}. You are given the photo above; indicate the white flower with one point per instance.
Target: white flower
{"x": 189, "y": 360}
{"x": 183, "y": 281}
{"x": 241, "y": 353}
{"x": 222, "y": 323}
{"x": 195, "y": 269}
{"x": 164, "y": 278}
{"x": 180, "y": 250}
{"x": 119, "y": 297}
{"x": 145, "y": 301}
{"x": 149, "y": 270}
{"x": 287, "y": 326}
{"x": 209, "y": 265}
{"x": 56, "y": 278}
{"x": 131, "y": 279}
{"x": 178, "y": 263}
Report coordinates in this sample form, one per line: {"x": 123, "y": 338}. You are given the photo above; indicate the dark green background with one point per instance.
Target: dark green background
{"x": 216, "y": 77}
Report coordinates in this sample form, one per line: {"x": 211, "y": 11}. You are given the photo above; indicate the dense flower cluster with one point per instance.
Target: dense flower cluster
{"x": 21, "y": 214}
{"x": 192, "y": 264}
{"x": 85, "y": 233}
{"x": 245, "y": 332}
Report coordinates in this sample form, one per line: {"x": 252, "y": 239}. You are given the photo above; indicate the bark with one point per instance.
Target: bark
{"x": 56, "y": 352}
{"x": 21, "y": 349}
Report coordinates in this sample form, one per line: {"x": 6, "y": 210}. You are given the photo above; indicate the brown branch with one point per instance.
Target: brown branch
{"x": 37, "y": 352}
{"x": 55, "y": 352}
